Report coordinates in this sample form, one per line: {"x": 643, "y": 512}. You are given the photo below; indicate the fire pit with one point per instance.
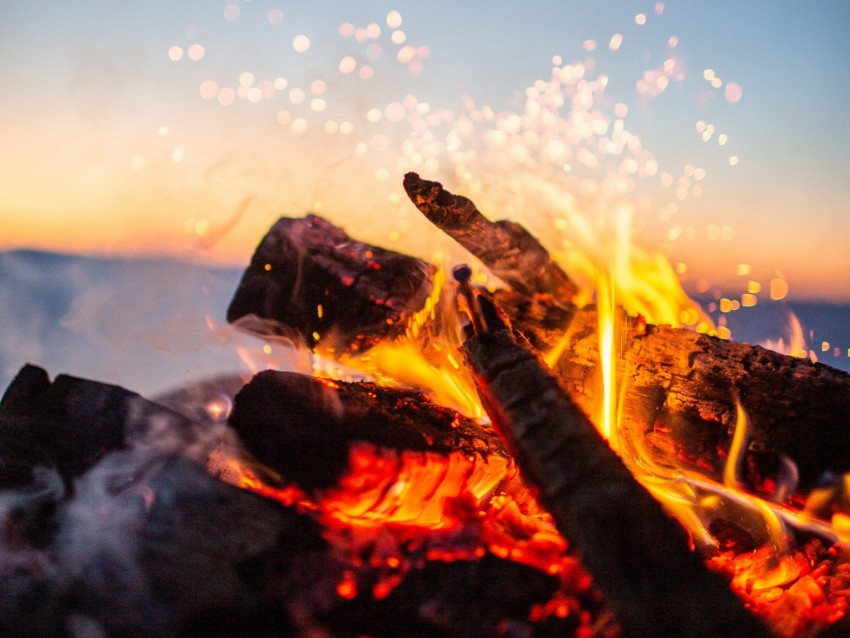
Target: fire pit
{"x": 361, "y": 499}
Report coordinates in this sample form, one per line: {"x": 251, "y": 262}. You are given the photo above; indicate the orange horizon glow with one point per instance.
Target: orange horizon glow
{"x": 198, "y": 163}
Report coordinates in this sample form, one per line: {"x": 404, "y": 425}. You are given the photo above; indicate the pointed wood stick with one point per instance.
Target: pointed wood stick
{"x": 637, "y": 555}
{"x": 506, "y": 248}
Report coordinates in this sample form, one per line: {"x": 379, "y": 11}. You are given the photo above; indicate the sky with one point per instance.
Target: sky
{"x": 709, "y": 133}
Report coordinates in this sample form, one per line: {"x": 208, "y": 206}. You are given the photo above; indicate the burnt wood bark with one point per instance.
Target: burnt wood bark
{"x": 681, "y": 391}
{"x": 681, "y": 388}
{"x": 310, "y": 281}
{"x": 69, "y": 424}
{"x": 158, "y": 547}
{"x": 505, "y": 247}
{"x": 303, "y": 427}
{"x": 638, "y": 556}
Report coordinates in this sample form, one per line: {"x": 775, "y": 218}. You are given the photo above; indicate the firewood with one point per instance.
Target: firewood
{"x": 681, "y": 391}
{"x": 681, "y": 387}
{"x": 69, "y": 424}
{"x": 304, "y": 427}
{"x": 309, "y": 281}
{"x": 638, "y": 556}
{"x": 158, "y": 547}
{"x": 505, "y": 247}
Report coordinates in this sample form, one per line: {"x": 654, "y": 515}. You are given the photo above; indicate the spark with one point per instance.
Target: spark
{"x": 231, "y": 11}
{"x": 196, "y": 52}
{"x": 347, "y": 65}
{"x": 275, "y": 16}
{"x": 226, "y": 96}
{"x": 301, "y": 43}
{"x": 393, "y": 19}
{"x": 733, "y": 92}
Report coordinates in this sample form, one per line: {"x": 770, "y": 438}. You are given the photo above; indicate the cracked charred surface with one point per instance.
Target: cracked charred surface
{"x": 305, "y": 427}
{"x": 308, "y": 279}
{"x": 682, "y": 388}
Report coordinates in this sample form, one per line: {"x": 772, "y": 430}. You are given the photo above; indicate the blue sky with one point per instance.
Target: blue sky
{"x": 109, "y": 147}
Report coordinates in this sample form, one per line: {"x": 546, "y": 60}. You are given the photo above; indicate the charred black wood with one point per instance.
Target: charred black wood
{"x": 505, "y": 247}
{"x": 638, "y": 556}
{"x": 303, "y": 427}
{"x": 309, "y": 280}
{"x": 486, "y": 598}
{"x": 155, "y": 547}
{"x": 69, "y": 424}
{"x": 681, "y": 390}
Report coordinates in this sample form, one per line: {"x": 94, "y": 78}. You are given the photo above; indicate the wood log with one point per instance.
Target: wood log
{"x": 505, "y": 247}
{"x": 310, "y": 281}
{"x": 681, "y": 388}
{"x": 70, "y": 424}
{"x": 366, "y": 452}
{"x": 637, "y": 555}
{"x": 304, "y": 427}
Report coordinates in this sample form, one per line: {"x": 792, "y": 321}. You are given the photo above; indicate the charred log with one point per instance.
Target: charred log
{"x": 505, "y": 247}
{"x": 681, "y": 391}
{"x": 638, "y": 556}
{"x": 304, "y": 427}
{"x": 309, "y": 280}
{"x": 68, "y": 424}
{"x": 681, "y": 388}
{"x": 156, "y": 546}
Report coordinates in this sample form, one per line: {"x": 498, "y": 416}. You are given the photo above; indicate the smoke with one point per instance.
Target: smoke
{"x": 145, "y": 520}
{"x": 142, "y": 324}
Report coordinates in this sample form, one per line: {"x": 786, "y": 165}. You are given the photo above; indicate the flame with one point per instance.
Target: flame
{"x": 401, "y": 363}
{"x": 384, "y": 486}
{"x": 796, "y": 340}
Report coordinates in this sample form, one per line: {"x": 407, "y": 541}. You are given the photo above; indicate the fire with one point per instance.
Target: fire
{"x": 577, "y": 166}
{"x": 794, "y": 342}
{"x": 414, "y": 488}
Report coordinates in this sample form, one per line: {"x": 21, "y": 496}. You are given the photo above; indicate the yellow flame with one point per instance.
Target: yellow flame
{"x": 796, "y": 344}
{"x": 425, "y": 356}
{"x": 401, "y": 363}
{"x": 606, "y": 305}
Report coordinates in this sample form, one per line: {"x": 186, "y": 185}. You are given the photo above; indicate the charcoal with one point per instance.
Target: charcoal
{"x": 308, "y": 280}
{"x": 157, "y": 546}
{"x": 69, "y": 424}
{"x": 303, "y": 427}
{"x": 486, "y": 598}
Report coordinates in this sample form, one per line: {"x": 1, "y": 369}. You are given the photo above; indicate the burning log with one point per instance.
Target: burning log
{"x": 385, "y": 461}
{"x": 681, "y": 388}
{"x": 314, "y": 281}
{"x": 320, "y": 434}
{"x": 505, "y": 247}
{"x": 638, "y": 556}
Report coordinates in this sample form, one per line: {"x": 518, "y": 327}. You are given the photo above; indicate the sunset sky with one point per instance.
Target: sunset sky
{"x": 718, "y": 129}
